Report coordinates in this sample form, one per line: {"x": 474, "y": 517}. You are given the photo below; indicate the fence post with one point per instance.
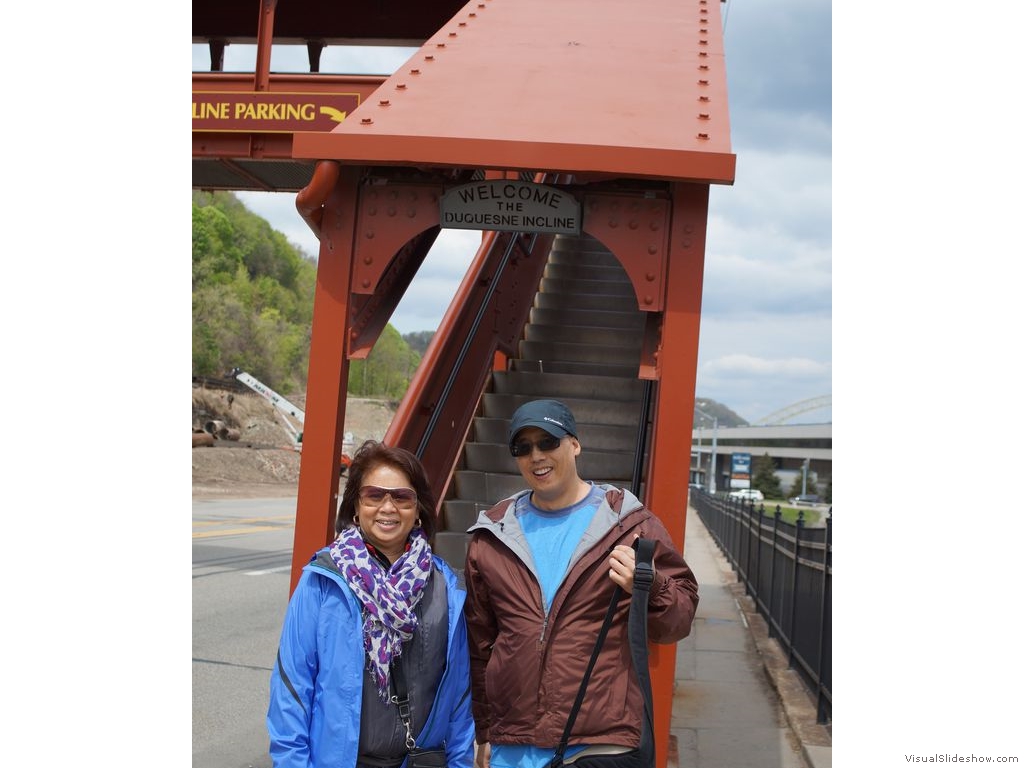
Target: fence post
{"x": 730, "y": 535}
{"x": 826, "y": 563}
{"x": 796, "y": 578}
{"x": 752, "y": 541}
{"x": 771, "y": 571}
{"x": 756, "y": 581}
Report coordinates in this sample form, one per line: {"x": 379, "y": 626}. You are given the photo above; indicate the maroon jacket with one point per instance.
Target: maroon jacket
{"x": 526, "y": 666}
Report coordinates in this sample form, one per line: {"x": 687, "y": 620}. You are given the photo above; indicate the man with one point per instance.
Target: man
{"x": 540, "y": 571}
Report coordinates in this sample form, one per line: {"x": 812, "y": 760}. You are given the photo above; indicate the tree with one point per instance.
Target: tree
{"x": 387, "y": 370}
{"x": 252, "y": 306}
{"x": 765, "y": 479}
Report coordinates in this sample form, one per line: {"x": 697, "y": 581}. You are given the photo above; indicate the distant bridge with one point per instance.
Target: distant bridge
{"x": 785, "y": 414}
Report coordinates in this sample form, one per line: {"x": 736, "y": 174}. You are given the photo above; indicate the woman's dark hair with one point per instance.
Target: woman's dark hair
{"x": 372, "y": 454}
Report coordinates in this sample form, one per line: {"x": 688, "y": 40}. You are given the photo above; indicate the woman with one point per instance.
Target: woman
{"x": 375, "y": 597}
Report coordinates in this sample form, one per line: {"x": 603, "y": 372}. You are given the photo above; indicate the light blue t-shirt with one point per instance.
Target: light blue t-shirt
{"x": 552, "y": 537}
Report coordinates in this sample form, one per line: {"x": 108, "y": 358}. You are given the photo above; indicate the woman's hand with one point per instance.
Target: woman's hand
{"x": 483, "y": 755}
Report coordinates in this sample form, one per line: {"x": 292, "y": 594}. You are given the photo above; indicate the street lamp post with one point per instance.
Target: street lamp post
{"x": 700, "y": 442}
{"x": 714, "y": 446}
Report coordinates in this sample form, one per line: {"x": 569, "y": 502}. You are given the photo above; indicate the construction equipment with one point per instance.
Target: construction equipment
{"x": 292, "y": 416}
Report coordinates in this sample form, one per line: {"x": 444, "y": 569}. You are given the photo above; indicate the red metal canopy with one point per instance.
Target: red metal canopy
{"x": 593, "y": 87}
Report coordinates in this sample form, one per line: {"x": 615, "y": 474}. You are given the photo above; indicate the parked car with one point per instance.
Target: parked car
{"x": 747, "y": 494}
{"x": 805, "y": 500}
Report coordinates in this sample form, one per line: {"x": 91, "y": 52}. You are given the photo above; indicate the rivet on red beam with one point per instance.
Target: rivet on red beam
{"x": 704, "y": 116}
{"x": 703, "y": 136}
{"x": 366, "y": 120}
{"x": 385, "y": 102}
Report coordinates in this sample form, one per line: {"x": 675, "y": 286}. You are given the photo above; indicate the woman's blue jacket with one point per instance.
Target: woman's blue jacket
{"x": 316, "y": 685}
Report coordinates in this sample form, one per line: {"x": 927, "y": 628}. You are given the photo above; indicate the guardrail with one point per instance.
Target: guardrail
{"x": 786, "y": 569}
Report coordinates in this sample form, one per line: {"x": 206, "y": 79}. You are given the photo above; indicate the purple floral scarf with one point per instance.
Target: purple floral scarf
{"x": 389, "y": 598}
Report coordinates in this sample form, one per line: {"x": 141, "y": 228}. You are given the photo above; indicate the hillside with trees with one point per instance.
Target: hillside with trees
{"x": 252, "y": 306}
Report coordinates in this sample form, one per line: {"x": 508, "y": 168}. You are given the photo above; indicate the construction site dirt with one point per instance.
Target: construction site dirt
{"x": 259, "y": 459}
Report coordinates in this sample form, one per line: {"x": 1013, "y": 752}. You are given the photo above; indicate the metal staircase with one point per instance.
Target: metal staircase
{"x": 582, "y": 346}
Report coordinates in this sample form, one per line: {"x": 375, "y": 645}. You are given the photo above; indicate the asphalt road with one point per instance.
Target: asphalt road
{"x": 241, "y": 558}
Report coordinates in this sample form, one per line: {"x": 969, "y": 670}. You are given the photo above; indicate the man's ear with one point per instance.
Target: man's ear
{"x": 576, "y": 447}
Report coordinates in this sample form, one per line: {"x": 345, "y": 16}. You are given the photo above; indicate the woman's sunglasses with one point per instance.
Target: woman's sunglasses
{"x": 374, "y": 495}
{"x": 525, "y": 448}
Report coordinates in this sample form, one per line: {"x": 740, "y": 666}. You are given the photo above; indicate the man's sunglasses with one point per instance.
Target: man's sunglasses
{"x": 525, "y": 448}
{"x": 374, "y": 495}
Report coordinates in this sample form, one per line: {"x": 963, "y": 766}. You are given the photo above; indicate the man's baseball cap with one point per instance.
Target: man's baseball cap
{"x": 550, "y": 415}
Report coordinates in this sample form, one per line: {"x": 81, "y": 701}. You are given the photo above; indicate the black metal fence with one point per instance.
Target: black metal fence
{"x": 786, "y": 569}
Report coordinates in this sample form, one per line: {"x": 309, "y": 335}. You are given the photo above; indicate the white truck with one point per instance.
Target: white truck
{"x": 293, "y": 417}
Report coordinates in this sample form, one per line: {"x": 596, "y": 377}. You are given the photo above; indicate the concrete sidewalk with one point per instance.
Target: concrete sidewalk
{"x": 736, "y": 704}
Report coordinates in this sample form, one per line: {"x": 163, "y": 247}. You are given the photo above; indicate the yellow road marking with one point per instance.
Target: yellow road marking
{"x": 242, "y": 520}
{"x": 235, "y": 531}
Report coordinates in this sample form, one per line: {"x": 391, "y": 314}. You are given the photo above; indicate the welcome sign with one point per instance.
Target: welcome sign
{"x": 512, "y": 206}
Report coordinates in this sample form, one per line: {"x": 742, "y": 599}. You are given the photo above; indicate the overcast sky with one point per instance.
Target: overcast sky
{"x": 766, "y": 327}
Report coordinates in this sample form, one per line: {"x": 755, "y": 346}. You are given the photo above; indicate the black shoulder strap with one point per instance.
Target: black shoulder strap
{"x": 643, "y": 577}
{"x": 400, "y": 698}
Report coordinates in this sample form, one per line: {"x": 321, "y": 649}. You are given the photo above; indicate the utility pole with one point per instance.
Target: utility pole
{"x": 804, "y": 487}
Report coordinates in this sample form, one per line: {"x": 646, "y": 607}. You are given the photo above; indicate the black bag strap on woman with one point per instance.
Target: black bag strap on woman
{"x": 418, "y": 758}
{"x": 643, "y": 577}
{"x": 400, "y": 698}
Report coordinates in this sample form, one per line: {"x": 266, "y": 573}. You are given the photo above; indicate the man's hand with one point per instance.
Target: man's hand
{"x": 622, "y": 565}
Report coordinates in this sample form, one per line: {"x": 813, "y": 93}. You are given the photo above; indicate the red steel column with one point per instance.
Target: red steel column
{"x": 327, "y": 386}
{"x": 673, "y": 420}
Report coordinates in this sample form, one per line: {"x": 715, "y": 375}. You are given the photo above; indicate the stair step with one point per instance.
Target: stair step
{"x": 460, "y": 514}
{"x": 575, "y": 368}
{"x": 451, "y": 546}
{"x": 560, "y": 386}
{"x": 604, "y": 302}
{"x": 588, "y": 287}
{"x": 490, "y": 459}
{"x": 486, "y": 488}
{"x": 587, "y": 412}
{"x": 587, "y": 317}
{"x": 579, "y": 353}
{"x": 568, "y": 252}
{"x": 584, "y": 334}
{"x": 584, "y": 271}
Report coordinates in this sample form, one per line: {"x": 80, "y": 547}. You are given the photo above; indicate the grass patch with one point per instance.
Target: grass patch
{"x": 812, "y": 517}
